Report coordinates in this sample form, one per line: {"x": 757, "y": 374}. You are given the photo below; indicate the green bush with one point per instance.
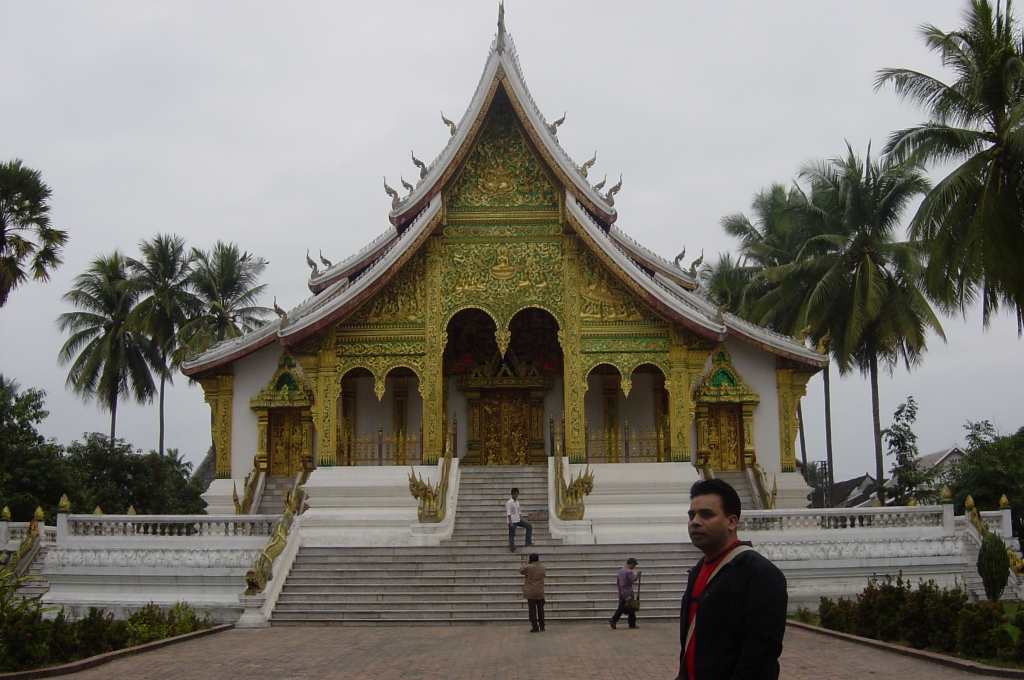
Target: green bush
{"x": 983, "y": 633}
{"x": 838, "y": 616}
{"x": 28, "y": 641}
{"x": 943, "y": 612}
{"x": 993, "y": 566}
{"x": 878, "y": 608}
{"x": 805, "y": 615}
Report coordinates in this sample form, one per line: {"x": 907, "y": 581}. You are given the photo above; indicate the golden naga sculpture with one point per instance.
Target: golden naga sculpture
{"x": 569, "y": 497}
{"x": 1016, "y": 563}
{"x": 256, "y": 579}
{"x": 432, "y": 499}
{"x": 251, "y": 482}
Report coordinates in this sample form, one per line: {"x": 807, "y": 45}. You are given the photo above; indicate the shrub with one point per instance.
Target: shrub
{"x": 915, "y": 616}
{"x": 983, "y": 633}
{"x": 838, "y": 616}
{"x": 24, "y": 638}
{"x": 993, "y": 566}
{"x": 805, "y": 615}
{"x": 944, "y": 612}
{"x": 64, "y": 643}
{"x": 878, "y": 607}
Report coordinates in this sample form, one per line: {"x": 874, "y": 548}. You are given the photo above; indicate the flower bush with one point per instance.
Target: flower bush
{"x": 28, "y": 640}
{"x": 928, "y": 617}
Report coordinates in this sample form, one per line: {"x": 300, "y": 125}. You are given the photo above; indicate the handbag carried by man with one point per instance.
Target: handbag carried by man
{"x": 632, "y": 604}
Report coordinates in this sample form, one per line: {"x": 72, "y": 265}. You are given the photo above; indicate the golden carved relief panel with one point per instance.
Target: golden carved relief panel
{"x": 603, "y": 299}
{"x": 401, "y": 301}
{"x": 502, "y": 170}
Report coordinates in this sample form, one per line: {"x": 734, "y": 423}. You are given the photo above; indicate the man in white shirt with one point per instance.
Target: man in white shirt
{"x": 515, "y": 519}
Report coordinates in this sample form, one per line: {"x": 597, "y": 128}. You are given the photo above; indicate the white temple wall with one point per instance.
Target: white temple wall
{"x": 252, "y": 373}
{"x": 554, "y": 402}
{"x": 757, "y": 368}
{"x": 459, "y": 405}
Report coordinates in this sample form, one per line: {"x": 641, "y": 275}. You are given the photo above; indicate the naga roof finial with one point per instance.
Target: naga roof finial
{"x": 696, "y": 263}
{"x": 312, "y": 265}
{"x": 419, "y": 164}
{"x": 449, "y": 123}
{"x": 500, "y": 46}
{"x": 392, "y": 193}
{"x": 327, "y": 263}
{"x": 408, "y": 187}
{"x": 610, "y": 196}
{"x": 680, "y": 256}
{"x": 283, "y": 315}
{"x": 600, "y": 185}
{"x": 585, "y": 168}
{"x": 553, "y": 128}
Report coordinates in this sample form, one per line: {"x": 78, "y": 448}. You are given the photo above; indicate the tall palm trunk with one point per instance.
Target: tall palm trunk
{"x": 163, "y": 382}
{"x": 113, "y": 415}
{"x": 803, "y": 438}
{"x": 831, "y": 481}
{"x": 877, "y": 423}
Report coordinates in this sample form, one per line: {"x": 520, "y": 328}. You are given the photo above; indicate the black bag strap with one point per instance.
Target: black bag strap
{"x": 637, "y": 598}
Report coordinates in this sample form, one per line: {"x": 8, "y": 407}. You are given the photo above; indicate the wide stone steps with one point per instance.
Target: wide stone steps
{"x": 38, "y": 585}
{"x": 472, "y": 578}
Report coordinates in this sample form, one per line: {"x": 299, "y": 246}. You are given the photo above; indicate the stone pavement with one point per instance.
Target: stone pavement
{"x": 486, "y": 652}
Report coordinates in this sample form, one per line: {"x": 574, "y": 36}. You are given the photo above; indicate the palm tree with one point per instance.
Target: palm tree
{"x": 226, "y": 282}
{"x": 971, "y": 222}
{"x": 28, "y": 244}
{"x": 162, "y": 276}
{"x": 782, "y": 223}
{"x": 110, "y": 359}
{"x": 863, "y": 295}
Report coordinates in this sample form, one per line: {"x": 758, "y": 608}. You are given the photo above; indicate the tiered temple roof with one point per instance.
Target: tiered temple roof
{"x": 344, "y": 286}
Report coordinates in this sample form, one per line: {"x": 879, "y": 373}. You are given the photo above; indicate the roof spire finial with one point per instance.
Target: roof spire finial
{"x": 500, "y": 47}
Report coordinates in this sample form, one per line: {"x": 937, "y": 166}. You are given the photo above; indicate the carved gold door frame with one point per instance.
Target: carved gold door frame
{"x": 287, "y": 442}
{"x": 723, "y": 437}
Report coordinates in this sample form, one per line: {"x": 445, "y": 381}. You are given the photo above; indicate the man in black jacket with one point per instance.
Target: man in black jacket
{"x": 733, "y": 614}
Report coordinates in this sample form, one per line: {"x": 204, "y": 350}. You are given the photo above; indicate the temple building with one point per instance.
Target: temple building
{"x": 501, "y": 310}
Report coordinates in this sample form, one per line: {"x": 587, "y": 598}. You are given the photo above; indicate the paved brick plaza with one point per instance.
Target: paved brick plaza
{"x": 479, "y": 652}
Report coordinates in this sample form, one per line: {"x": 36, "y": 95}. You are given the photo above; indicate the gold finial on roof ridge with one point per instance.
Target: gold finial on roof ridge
{"x": 585, "y": 168}
{"x": 500, "y": 46}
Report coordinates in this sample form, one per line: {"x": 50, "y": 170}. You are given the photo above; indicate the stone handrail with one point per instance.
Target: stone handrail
{"x": 251, "y": 493}
{"x": 163, "y": 526}
{"x": 759, "y": 478}
{"x": 838, "y": 519}
{"x": 260, "y": 575}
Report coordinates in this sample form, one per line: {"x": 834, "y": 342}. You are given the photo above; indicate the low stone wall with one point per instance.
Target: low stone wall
{"x": 123, "y": 562}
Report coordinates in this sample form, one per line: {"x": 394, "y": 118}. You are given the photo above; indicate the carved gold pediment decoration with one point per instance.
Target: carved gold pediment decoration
{"x": 286, "y": 389}
{"x": 723, "y": 383}
{"x": 502, "y": 170}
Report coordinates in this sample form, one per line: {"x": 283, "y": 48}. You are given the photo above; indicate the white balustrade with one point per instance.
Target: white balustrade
{"x": 191, "y": 526}
{"x": 842, "y": 519}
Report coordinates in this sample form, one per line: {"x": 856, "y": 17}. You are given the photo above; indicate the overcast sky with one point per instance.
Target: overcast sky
{"x": 271, "y": 124}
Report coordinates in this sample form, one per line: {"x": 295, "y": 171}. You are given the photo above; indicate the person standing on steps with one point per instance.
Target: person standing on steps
{"x": 533, "y": 590}
{"x": 625, "y": 579}
{"x": 515, "y": 519}
{"x": 733, "y": 614}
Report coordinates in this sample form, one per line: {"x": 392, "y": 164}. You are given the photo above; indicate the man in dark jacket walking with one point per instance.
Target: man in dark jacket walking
{"x": 733, "y": 614}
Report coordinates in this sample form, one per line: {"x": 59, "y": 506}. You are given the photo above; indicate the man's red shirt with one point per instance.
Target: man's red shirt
{"x": 698, "y": 588}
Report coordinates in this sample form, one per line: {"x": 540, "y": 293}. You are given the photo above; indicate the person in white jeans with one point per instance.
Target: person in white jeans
{"x": 515, "y": 519}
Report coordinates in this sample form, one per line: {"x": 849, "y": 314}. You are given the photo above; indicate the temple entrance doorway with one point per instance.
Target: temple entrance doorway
{"x": 504, "y": 392}
{"x": 286, "y": 442}
{"x": 725, "y": 437}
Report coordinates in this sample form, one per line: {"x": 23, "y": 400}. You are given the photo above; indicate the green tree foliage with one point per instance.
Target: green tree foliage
{"x": 972, "y": 222}
{"x": 110, "y": 358}
{"x": 911, "y": 480}
{"x": 226, "y": 281}
{"x": 29, "y": 246}
{"x": 161, "y": 277}
{"x": 857, "y": 281}
{"x": 118, "y": 477}
{"x": 33, "y": 471}
{"x": 992, "y": 465}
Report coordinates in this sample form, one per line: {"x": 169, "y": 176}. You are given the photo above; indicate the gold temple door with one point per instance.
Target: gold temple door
{"x": 286, "y": 443}
{"x": 505, "y": 427}
{"x": 725, "y": 437}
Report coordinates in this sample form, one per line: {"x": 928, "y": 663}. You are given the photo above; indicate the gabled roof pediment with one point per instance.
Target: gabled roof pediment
{"x": 502, "y": 73}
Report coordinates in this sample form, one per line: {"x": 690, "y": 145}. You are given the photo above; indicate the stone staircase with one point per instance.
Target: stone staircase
{"x": 274, "y": 492}
{"x": 740, "y": 482}
{"x": 38, "y": 585}
{"x": 972, "y": 579}
{"x": 472, "y": 578}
